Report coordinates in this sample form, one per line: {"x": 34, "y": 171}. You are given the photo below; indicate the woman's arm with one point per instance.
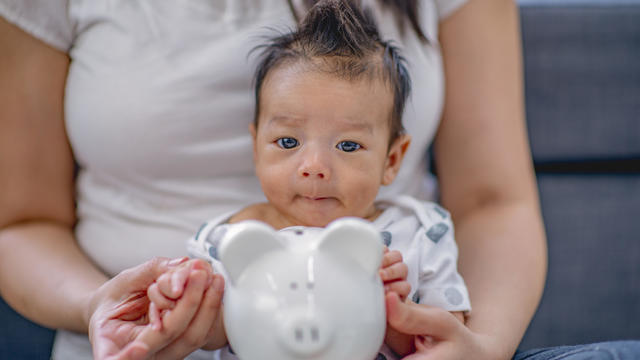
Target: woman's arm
{"x": 485, "y": 171}
{"x": 43, "y": 273}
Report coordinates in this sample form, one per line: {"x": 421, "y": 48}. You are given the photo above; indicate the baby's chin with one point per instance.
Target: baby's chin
{"x": 310, "y": 219}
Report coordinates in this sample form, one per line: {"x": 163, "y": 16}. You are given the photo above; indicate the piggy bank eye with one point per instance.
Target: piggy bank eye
{"x": 310, "y": 285}
{"x": 293, "y": 285}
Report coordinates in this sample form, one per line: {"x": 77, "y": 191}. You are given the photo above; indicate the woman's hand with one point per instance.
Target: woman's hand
{"x": 437, "y": 333}
{"x": 119, "y": 325}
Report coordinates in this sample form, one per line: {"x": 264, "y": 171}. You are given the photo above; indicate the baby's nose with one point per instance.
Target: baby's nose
{"x": 314, "y": 167}
{"x": 312, "y": 173}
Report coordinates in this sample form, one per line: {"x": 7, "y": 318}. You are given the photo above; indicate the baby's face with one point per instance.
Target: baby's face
{"x": 321, "y": 147}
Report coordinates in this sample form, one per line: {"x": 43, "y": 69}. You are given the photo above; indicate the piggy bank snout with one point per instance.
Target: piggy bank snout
{"x": 305, "y": 335}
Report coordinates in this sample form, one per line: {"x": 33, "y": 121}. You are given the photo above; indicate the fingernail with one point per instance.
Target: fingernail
{"x": 177, "y": 261}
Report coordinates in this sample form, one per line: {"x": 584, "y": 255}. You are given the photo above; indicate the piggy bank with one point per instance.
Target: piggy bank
{"x": 304, "y": 293}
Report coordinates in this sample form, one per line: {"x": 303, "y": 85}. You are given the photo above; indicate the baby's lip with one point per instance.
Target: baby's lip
{"x": 315, "y": 197}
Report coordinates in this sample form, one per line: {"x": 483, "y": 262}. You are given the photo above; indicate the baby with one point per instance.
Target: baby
{"x": 327, "y": 134}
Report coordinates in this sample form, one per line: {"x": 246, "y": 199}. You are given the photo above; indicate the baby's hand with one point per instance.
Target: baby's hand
{"x": 393, "y": 272}
{"x": 168, "y": 288}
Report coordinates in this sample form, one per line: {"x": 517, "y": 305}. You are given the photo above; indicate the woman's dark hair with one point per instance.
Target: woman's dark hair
{"x": 402, "y": 8}
{"x": 339, "y": 38}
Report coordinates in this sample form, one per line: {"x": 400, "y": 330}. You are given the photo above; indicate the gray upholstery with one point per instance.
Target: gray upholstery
{"x": 583, "y": 80}
{"x": 593, "y": 285}
{"x": 582, "y": 68}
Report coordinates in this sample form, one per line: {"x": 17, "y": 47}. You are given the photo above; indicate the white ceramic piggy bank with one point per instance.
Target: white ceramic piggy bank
{"x": 304, "y": 293}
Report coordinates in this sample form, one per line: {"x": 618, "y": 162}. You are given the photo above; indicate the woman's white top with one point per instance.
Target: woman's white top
{"x": 158, "y": 101}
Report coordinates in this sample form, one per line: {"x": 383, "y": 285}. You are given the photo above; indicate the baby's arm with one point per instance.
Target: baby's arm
{"x": 167, "y": 291}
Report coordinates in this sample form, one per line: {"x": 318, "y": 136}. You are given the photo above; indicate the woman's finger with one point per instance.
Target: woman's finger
{"x": 202, "y": 326}
{"x": 133, "y": 351}
{"x": 402, "y": 288}
{"x": 138, "y": 278}
{"x": 176, "y": 321}
{"x": 414, "y": 319}
{"x": 154, "y": 317}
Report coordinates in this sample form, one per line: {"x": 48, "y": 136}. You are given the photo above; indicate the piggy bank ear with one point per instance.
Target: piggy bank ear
{"x": 356, "y": 239}
{"x": 245, "y": 242}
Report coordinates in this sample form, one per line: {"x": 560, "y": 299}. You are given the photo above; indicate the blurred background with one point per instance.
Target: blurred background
{"x": 582, "y": 72}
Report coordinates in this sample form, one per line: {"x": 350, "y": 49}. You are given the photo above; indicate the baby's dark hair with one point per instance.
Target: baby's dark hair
{"x": 338, "y": 38}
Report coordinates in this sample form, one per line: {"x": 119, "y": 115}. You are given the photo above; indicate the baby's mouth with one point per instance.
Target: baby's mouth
{"x": 315, "y": 198}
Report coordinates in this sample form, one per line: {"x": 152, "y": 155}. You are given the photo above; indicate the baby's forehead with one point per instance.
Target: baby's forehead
{"x": 300, "y": 73}
{"x": 295, "y": 91}
{"x": 369, "y": 69}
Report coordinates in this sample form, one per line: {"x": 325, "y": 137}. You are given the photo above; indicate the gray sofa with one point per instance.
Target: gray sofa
{"x": 582, "y": 68}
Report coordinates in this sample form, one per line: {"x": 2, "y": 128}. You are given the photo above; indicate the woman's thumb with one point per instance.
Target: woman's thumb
{"x": 413, "y": 319}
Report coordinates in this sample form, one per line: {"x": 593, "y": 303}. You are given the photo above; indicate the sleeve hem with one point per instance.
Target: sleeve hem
{"x": 32, "y": 28}
{"x": 447, "y": 8}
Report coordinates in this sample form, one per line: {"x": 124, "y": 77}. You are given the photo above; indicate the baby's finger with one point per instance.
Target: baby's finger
{"x": 178, "y": 280}
{"x": 176, "y": 321}
{"x": 169, "y": 283}
{"x": 397, "y": 271}
{"x": 161, "y": 301}
{"x": 391, "y": 257}
{"x": 200, "y": 329}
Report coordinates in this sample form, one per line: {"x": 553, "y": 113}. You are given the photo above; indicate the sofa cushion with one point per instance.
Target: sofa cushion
{"x": 582, "y": 72}
{"x": 593, "y": 284}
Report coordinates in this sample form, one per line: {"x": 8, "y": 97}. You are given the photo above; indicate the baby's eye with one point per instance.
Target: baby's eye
{"x": 348, "y": 146}
{"x": 287, "y": 143}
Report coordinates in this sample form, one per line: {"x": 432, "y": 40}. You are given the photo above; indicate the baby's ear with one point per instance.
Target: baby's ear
{"x": 354, "y": 238}
{"x": 254, "y": 132}
{"x": 397, "y": 150}
{"x": 244, "y": 243}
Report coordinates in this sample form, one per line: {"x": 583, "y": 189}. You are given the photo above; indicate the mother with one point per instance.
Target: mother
{"x": 152, "y": 99}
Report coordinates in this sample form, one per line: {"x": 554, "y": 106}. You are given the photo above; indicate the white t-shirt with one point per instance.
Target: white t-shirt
{"x": 421, "y": 231}
{"x": 157, "y": 105}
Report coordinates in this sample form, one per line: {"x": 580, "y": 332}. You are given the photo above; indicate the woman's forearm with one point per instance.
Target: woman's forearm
{"x": 45, "y": 276}
{"x": 503, "y": 260}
